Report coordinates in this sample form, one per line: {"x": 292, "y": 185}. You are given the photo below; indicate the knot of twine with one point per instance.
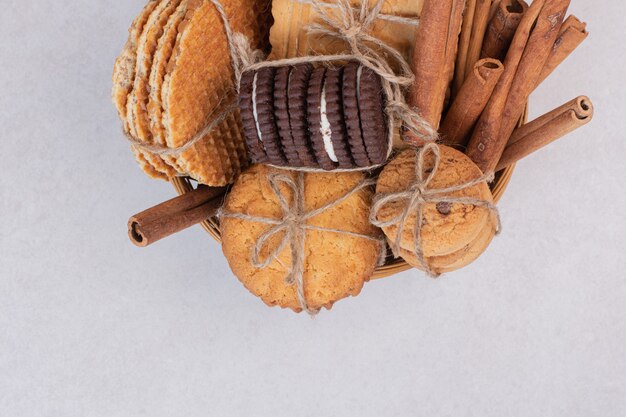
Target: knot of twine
{"x": 351, "y": 26}
{"x": 293, "y": 225}
{"x": 417, "y": 196}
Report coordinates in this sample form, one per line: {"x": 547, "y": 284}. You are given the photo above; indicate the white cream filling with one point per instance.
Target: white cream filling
{"x": 358, "y": 83}
{"x": 254, "y": 109}
{"x": 325, "y": 129}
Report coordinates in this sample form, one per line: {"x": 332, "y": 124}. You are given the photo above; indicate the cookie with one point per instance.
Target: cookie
{"x": 459, "y": 259}
{"x": 334, "y": 107}
{"x": 249, "y": 117}
{"x": 372, "y": 115}
{"x": 195, "y": 93}
{"x": 263, "y": 103}
{"x": 282, "y": 116}
{"x": 445, "y": 230}
{"x": 319, "y": 126}
{"x": 137, "y": 123}
{"x": 124, "y": 69}
{"x": 297, "y": 94}
{"x": 336, "y": 265}
{"x": 352, "y": 117}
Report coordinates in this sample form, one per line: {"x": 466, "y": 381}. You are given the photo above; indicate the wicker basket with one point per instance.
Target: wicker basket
{"x": 392, "y": 266}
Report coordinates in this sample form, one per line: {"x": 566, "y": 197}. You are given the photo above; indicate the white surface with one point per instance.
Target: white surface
{"x": 92, "y": 326}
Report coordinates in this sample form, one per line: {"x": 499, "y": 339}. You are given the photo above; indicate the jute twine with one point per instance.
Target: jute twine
{"x": 353, "y": 27}
{"x": 418, "y": 195}
{"x": 293, "y": 225}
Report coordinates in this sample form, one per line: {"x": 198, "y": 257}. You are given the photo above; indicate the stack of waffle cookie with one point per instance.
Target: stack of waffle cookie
{"x": 174, "y": 77}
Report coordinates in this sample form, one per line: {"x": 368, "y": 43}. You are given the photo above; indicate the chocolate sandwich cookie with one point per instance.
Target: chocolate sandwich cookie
{"x": 351, "y": 115}
{"x": 319, "y": 126}
{"x": 372, "y": 115}
{"x": 281, "y": 108}
{"x": 248, "y": 118}
{"x": 334, "y": 112}
{"x": 297, "y": 94}
{"x": 263, "y": 101}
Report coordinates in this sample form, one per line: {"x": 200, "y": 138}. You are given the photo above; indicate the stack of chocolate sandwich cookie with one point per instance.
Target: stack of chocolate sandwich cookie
{"x": 303, "y": 116}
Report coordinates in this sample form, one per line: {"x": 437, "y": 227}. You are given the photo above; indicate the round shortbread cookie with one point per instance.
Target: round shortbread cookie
{"x": 443, "y": 231}
{"x": 459, "y": 259}
{"x": 335, "y": 266}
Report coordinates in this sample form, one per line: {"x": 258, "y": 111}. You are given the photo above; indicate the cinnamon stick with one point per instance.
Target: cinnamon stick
{"x": 546, "y": 129}
{"x": 464, "y": 41}
{"x": 174, "y": 215}
{"x": 534, "y": 59}
{"x": 470, "y": 102}
{"x": 479, "y": 28}
{"x": 483, "y": 147}
{"x": 502, "y": 28}
{"x": 573, "y": 33}
{"x": 494, "y": 8}
{"x": 434, "y": 56}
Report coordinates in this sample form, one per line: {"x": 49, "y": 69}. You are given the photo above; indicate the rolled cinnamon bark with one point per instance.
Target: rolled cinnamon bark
{"x": 470, "y": 102}
{"x": 174, "y": 215}
{"x": 573, "y": 33}
{"x": 546, "y": 129}
{"x": 502, "y": 27}
{"x": 479, "y": 28}
{"x": 434, "y": 56}
{"x": 464, "y": 41}
{"x": 483, "y": 148}
{"x": 534, "y": 59}
{"x": 494, "y": 8}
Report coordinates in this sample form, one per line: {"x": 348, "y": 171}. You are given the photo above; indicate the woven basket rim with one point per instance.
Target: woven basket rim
{"x": 392, "y": 266}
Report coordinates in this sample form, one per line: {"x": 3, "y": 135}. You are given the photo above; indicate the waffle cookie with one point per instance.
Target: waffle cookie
{"x": 450, "y": 232}
{"x": 166, "y": 94}
{"x": 336, "y": 265}
{"x": 324, "y": 118}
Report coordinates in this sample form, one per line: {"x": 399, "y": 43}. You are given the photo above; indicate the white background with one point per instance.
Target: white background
{"x": 92, "y": 326}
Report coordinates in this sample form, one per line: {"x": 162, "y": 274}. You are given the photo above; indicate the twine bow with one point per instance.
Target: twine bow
{"x": 418, "y": 195}
{"x": 293, "y": 224}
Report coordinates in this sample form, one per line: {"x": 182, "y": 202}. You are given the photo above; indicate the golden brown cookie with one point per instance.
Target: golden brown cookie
{"x": 137, "y": 98}
{"x": 199, "y": 86}
{"x": 448, "y": 228}
{"x": 336, "y": 265}
{"x": 123, "y": 80}
{"x": 124, "y": 69}
{"x": 461, "y": 258}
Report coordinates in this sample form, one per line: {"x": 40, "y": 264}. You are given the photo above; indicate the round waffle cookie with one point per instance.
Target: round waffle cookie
{"x": 319, "y": 127}
{"x": 351, "y": 115}
{"x": 281, "y": 108}
{"x": 372, "y": 115}
{"x": 248, "y": 120}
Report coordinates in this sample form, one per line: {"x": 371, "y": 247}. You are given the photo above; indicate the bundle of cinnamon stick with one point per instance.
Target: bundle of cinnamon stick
{"x": 476, "y": 69}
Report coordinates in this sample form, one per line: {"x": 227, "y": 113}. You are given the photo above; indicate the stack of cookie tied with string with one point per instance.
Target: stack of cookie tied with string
{"x": 174, "y": 77}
